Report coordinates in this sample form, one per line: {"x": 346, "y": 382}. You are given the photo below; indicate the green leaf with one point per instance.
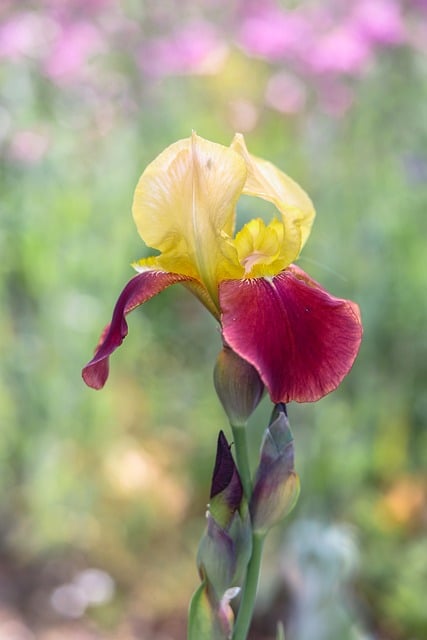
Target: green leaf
{"x": 200, "y": 616}
{"x": 280, "y": 632}
{"x": 203, "y": 621}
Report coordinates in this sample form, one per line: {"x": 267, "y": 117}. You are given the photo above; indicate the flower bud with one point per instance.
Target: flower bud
{"x": 276, "y": 486}
{"x": 238, "y": 385}
{"x": 226, "y": 488}
{"x": 226, "y": 545}
{"x": 224, "y": 551}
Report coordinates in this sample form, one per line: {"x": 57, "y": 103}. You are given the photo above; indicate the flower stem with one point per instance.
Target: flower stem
{"x": 242, "y": 457}
{"x": 249, "y": 590}
{"x": 247, "y": 602}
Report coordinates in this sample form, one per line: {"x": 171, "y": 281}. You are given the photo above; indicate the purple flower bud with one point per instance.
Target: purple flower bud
{"x": 226, "y": 545}
{"x": 238, "y": 385}
{"x": 276, "y": 486}
{"x": 226, "y": 488}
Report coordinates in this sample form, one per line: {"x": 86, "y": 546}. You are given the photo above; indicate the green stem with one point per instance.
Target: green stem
{"x": 249, "y": 590}
{"x": 242, "y": 457}
{"x": 247, "y": 602}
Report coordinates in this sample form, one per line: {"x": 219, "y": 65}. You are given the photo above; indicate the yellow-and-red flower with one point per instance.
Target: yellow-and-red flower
{"x": 300, "y": 339}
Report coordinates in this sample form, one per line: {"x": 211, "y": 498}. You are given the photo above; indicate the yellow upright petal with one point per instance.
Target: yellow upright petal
{"x": 265, "y": 181}
{"x": 184, "y": 206}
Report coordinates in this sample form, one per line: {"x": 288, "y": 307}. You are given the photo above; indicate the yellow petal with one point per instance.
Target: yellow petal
{"x": 184, "y": 206}
{"x": 265, "y": 181}
{"x": 260, "y": 248}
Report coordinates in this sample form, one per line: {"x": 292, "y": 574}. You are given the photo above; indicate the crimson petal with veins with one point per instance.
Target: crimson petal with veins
{"x": 301, "y": 340}
{"x": 137, "y": 291}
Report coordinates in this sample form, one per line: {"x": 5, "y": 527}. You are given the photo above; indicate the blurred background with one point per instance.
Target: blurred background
{"x": 103, "y": 494}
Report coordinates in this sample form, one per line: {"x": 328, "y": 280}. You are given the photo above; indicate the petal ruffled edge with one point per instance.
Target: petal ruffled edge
{"x": 264, "y": 180}
{"x": 302, "y": 340}
{"x": 137, "y": 291}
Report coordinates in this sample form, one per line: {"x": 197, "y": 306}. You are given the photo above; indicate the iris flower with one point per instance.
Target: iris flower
{"x": 301, "y": 340}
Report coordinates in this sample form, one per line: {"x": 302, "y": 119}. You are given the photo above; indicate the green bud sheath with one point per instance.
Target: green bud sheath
{"x": 206, "y": 620}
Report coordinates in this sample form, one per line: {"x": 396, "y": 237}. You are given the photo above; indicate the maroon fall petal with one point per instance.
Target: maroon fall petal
{"x": 137, "y": 291}
{"x": 301, "y": 340}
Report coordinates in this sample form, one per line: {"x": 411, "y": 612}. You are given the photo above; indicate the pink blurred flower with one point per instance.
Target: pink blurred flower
{"x": 74, "y": 44}
{"x": 24, "y": 34}
{"x": 286, "y": 93}
{"x": 243, "y": 115}
{"x": 273, "y": 34}
{"x": 74, "y": 9}
{"x": 195, "y": 48}
{"x": 335, "y": 98}
{"x": 380, "y": 21}
{"x": 340, "y": 51}
{"x": 28, "y": 147}
{"x": 419, "y": 4}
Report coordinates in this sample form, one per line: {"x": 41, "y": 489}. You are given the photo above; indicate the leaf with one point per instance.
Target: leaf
{"x": 280, "y": 632}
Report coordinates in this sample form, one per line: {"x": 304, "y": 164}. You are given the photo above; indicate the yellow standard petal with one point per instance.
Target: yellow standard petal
{"x": 265, "y": 181}
{"x": 184, "y": 206}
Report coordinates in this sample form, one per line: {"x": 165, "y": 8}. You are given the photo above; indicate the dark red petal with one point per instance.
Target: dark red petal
{"x": 137, "y": 291}
{"x": 302, "y": 340}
